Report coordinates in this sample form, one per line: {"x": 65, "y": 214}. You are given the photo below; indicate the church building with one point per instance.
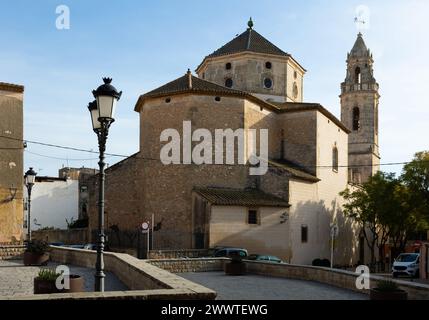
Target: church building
{"x": 249, "y": 83}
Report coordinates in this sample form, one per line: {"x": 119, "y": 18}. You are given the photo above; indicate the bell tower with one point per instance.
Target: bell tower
{"x": 359, "y": 112}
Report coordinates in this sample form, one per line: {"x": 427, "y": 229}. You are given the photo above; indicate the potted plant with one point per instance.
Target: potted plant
{"x": 36, "y": 253}
{"x": 236, "y": 267}
{"x": 45, "y": 282}
{"x": 387, "y": 290}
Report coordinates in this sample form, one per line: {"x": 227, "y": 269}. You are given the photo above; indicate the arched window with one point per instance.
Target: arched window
{"x": 357, "y": 75}
{"x": 335, "y": 158}
{"x": 356, "y": 118}
{"x": 228, "y": 66}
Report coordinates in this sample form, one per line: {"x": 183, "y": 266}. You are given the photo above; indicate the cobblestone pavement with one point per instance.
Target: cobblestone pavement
{"x": 17, "y": 279}
{"x": 254, "y": 287}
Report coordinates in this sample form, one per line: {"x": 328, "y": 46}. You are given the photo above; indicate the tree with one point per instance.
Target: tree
{"x": 415, "y": 176}
{"x": 389, "y": 208}
{"x": 375, "y": 206}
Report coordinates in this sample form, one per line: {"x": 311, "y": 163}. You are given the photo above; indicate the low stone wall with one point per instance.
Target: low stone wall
{"x": 335, "y": 277}
{"x": 145, "y": 280}
{"x": 339, "y": 278}
{"x": 69, "y": 236}
{"x": 175, "y": 254}
{"x": 190, "y": 265}
{"x": 11, "y": 251}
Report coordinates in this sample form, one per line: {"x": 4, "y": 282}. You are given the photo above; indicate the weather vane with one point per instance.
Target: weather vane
{"x": 361, "y": 19}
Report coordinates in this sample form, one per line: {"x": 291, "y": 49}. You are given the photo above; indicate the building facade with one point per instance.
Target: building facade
{"x": 11, "y": 162}
{"x": 248, "y": 84}
{"x": 54, "y": 203}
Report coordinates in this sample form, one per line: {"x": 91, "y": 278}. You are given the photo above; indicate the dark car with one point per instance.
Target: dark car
{"x": 266, "y": 258}
{"x": 90, "y": 246}
{"x": 229, "y": 252}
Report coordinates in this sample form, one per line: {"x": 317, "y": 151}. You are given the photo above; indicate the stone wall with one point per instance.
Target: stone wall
{"x": 334, "y": 277}
{"x": 190, "y": 265}
{"x": 70, "y": 236}
{"x": 145, "y": 280}
{"x": 11, "y": 251}
{"x": 173, "y": 254}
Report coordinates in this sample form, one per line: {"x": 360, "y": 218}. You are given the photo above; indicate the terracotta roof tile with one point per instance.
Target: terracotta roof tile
{"x": 240, "y": 197}
{"x": 249, "y": 40}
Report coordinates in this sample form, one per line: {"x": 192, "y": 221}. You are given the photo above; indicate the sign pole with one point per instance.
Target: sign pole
{"x": 332, "y": 249}
{"x": 153, "y": 222}
{"x": 147, "y": 252}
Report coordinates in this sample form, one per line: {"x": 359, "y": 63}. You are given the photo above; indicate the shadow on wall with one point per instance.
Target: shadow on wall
{"x": 284, "y": 239}
{"x": 318, "y": 218}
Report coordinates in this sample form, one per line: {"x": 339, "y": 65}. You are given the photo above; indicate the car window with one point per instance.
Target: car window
{"x": 406, "y": 257}
{"x": 220, "y": 253}
{"x": 242, "y": 253}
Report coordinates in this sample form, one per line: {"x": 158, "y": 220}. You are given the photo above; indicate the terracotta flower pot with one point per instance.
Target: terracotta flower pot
{"x": 48, "y": 286}
{"x": 77, "y": 284}
{"x": 375, "y": 294}
{"x": 235, "y": 268}
{"x": 35, "y": 259}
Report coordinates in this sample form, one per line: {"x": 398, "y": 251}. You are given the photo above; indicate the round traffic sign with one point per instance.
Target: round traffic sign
{"x": 145, "y": 225}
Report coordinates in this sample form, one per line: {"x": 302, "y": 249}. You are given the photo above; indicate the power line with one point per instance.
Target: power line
{"x": 157, "y": 159}
{"x": 58, "y": 158}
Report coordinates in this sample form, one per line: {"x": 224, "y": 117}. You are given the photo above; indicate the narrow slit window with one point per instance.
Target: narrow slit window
{"x": 356, "y": 118}
{"x": 304, "y": 233}
{"x": 335, "y": 159}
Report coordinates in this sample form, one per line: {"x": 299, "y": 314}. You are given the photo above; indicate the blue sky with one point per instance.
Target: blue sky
{"x": 144, "y": 44}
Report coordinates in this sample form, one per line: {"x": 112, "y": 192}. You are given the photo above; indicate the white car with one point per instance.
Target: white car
{"x": 406, "y": 264}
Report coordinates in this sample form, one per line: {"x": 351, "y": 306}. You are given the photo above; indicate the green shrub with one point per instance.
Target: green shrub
{"x": 48, "y": 274}
{"x": 387, "y": 286}
{"x": 37, "y": 247}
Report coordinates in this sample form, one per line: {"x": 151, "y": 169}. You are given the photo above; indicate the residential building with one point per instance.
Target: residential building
{"x": 11, "y": 162}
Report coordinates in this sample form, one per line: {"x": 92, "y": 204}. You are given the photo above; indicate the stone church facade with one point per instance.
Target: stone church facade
{"x": 248, "y": 83}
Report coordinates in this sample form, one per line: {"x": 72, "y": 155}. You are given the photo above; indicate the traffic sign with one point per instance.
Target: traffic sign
{"x": 145, "y": 227}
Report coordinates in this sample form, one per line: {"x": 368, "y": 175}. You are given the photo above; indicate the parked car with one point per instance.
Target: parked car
{"x": 228, "y": 252}
{"x": 58, "y": 244}
{"x": 406, "y": 264}
{"x": 266, "y": 258}
{"x": 74, "y": 246}
{"x": 90, "y": 246}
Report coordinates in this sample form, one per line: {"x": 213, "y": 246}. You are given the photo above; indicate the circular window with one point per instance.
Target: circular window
{"x": 268, "y": 65}
{"x": 228, "y": 66}
{"x": 228, "y": 82}
{"x": 295, "y": 74}
{"x": 295, "y": 90}
{"x": 217, "y": 99}
{"x": 268, "y": 83}
{"x": 167, "y": 100}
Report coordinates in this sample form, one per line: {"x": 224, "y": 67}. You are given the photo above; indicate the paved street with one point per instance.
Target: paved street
{"x": 254, "y": 287}
{"x": 17, "y": 279}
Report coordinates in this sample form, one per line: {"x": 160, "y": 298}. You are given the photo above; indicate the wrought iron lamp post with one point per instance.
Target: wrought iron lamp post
{"x": 102, "y": 111}
{"x": 29, "y": 179}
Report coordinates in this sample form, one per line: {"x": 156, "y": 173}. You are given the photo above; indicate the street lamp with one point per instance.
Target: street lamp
{"x": 29, "y": 179}
{"x": 102, "y": 111}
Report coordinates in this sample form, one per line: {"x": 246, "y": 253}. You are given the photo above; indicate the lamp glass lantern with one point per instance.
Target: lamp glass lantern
{"x": 92, "y": 107}
{"x": 106, "y": 96}
{"x": 30, "y": 177}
